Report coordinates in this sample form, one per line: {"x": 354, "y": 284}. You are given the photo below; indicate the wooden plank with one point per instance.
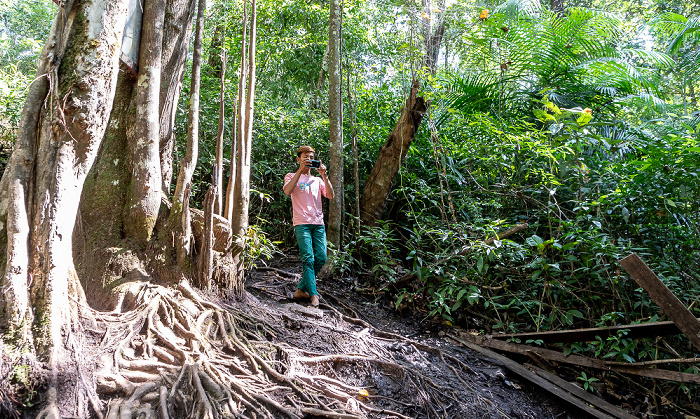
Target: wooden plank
{"x": 636, "y": 331}
{"x": 581, "y": 393}
{"x": 667, "y": 301}
{"x": 539, "y": 381}
{"x": 579, "y": 360}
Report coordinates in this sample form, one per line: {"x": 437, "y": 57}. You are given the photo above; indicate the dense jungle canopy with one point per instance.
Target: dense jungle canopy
{"x": 492, "y": 161}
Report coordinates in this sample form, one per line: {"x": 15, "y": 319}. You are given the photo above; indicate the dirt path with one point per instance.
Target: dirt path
{"x": 361, "y": 353}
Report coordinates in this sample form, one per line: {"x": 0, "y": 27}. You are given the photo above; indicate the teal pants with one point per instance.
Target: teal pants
{"x": 312, "y": 248}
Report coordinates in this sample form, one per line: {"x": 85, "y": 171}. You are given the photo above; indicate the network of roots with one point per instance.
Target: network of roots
{"x": 177, "y": 354}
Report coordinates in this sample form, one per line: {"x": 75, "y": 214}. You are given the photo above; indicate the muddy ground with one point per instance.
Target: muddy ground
{"x": 398, "y": 366}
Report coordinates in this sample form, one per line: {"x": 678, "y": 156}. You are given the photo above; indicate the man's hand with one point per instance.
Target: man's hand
{"x": 322, "y": 170}
{"x": 303, "y": 165}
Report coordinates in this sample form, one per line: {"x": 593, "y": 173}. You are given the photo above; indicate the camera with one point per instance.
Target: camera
{"x": 315, "y": 163}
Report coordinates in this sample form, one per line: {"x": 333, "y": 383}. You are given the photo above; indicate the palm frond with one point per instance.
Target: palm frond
{"x": 654, "y": 58}
{"x": 470, "y": 93}
{"x": 519, "y": 8}
{"x": 689, "y": 33}
{"x": 643, "y": 99}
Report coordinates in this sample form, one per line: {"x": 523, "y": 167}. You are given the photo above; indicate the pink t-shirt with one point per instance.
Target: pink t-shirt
{"x": 306, "y": 199}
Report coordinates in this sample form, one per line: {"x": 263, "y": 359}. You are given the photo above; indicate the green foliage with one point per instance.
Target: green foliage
{"x": 587, "y": 381}
{"x": 24, "y": 27}
{"x": 381, "y": 247}
{"x": 258, "y": 246}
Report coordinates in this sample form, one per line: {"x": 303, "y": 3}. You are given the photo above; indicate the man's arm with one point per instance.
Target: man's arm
{"x": 288, "y": 187}
{"x": 326, "y": 181}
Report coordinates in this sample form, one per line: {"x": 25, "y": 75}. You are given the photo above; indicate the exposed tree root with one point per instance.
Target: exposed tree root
{"x": 177, "y": 354}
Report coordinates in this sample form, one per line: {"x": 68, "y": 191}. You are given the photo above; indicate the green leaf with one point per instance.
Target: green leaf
{"x": 576, "y": 313}
{"x": 584, "y": 118}
{"x": 461, "y": 293}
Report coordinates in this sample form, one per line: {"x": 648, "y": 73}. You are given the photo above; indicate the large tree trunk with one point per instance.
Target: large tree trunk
{"x": 89, "y": 125}
{"x": 56, "y": 147}
{"x": 391, "y": 155}
{"x": 143, "y": 201}
{"x": 335, "y": 108}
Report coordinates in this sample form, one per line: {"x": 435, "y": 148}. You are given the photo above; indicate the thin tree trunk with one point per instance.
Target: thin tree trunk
{"x": 216, "y": 46}
{"x": 180, "y": 209}
{"x": 144, "y": 193}
{"x": 557, "y": 6}
{"x": 228, "y": 211}
{"x": 219, "y": 165}
{"x": 432, "y": 38}
{"x": 391, "y": 155}
{"x": 355, "y": 152}
{"x": 176, "y": 40}
{"x": 239, "y": 223}
{"x": 321, "y": 78}
{"x": 239, "y": 119}
{"x": 691, "y": 93}
{"x": 206, "y": 253}
{"x": 335, "y": 107}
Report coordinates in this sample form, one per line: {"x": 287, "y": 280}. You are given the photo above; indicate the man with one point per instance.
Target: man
{"x": 306, "y": 191}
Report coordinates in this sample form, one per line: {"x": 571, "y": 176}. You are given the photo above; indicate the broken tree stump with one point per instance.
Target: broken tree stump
{"x": 667, "y": 301}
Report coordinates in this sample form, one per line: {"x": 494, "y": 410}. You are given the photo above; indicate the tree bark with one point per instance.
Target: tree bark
{"x": 219, "y": 165}
{"x": 557, "y": 7}
{"x": 144, "y": 193}
{"x": 355, "y": 151}
{"x": 432, "y": 38}
{"x": 392, "y": 153}
{"x": 335, "y": 107}
{"x": 215, "y": 63}
{"x": 206, "y": 253}
{"x": 239, "y": 222}
{"x": 239, "y": 119}
{"x": 321, "y": 78}
{"x": 176, "y": 40}
{"x": 180, "y": 208}
{"x": 241, "y": 188}
{"x": 56, "y": 147}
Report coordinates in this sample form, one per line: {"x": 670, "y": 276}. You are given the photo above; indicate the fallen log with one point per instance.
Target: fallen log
{"x": 635, "y": 331}
{"x": 503, "y": 234}
{"x": 591, "y": 404}
{"x": 580, "y": 393}
{"x": 582, "y": 361}
{"x": 667, "y": 301}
